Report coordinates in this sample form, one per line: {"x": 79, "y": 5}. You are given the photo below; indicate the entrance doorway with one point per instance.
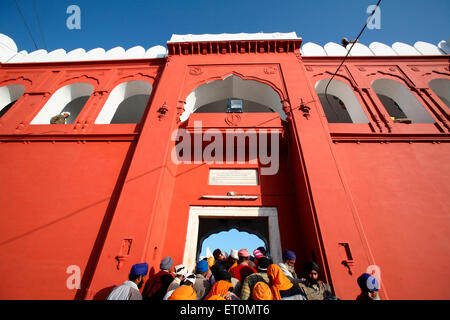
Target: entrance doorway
{"x": 204, "y": 221}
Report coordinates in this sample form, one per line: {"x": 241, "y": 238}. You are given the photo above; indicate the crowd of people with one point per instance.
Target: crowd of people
{"x": 237, "y": 276}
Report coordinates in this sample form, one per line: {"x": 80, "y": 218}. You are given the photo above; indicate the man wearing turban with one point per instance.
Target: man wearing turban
{"x": 251, "y": 280}
{"x": 261, "y": 291}
{"x": 281, "y": 287}
{"x": 311, "y": 286}
{"x": 369, "y": 287}
{"x": 129, "y": 290}
{"x": 287, "y": 266}
{"x": 202, "y": 285}
{"x": 186, "y": 290}
{"x": 157, "y": 285}
{"x": 242, "y": 270}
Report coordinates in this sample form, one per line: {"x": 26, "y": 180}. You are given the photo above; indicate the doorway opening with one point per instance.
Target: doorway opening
{"x": 205, "y": 221}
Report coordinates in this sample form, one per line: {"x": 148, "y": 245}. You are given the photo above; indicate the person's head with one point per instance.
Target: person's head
{"x": 202, "y": 267}
{"x": 166, "y": 264}
{"x": 368, "y": 285}
{"x": 185, "y": 291}
{"x": 66, "y": 114}
{"x": 179, "y": 271}
{"x": 289, "y": 258}
{"x": 233, "y": 257}
{"x": 188, "y": 280}
{"x": 262, "y": 250}
{"x": 257, "y": 254}
{"x": 244, "y": 255}
{"x": 219, "y": 272}
{"x": 311, "y": 271}
{"x": 138, "y": 273}
{"x": 261, "y": 291}
{"x": 263, "y": 264}
{"x": 218, "y": 255}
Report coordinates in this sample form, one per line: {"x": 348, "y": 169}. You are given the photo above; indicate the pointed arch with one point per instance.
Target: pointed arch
{"x": 9, "y": 94}
{"x": 234, "y": 86}
{"x": 126, "y": 103}
{"x": 71, "y": 98}
{"x": 400, "y": 102}
{"x": 342, "y": 106}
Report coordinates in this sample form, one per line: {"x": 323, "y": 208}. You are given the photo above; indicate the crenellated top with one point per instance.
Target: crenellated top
{"x": 220, "y": 44}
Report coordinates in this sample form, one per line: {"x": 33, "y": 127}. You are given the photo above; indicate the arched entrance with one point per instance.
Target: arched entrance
{"x": 204, "y": 221}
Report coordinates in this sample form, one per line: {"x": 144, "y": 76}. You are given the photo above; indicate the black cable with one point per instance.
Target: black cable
{"x": 39, "y": 23}
{"x": 26, "y": 25}
{"x": 356, "y": 40}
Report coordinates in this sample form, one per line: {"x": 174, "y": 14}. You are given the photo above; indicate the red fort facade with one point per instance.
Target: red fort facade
{"x": 355, "y": 186}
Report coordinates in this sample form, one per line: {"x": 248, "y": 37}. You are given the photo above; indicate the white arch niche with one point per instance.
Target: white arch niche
{"x": 196, "y": 212}
{"x": 232, "y": 87}
{"x": 60, "y": 99}
{"x": 404, "y": 98}
{"x": 345, "y": 93}
{"x": 442, "y": 89}
{"x": 119, "y": 94}
{"x": 9, "y": 94}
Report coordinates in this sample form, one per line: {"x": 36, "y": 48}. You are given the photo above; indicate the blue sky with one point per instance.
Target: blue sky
{"x": 112, "y": 23}
{"x": 233, "y": 239}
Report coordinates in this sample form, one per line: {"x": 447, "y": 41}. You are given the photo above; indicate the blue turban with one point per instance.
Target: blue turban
{"x": 166, "y": 263}
{"x": 139, "y": 269}
{"x": 368, "y": 282}
{"x": 289, "y": 255}
{"x": 202, "y": 266}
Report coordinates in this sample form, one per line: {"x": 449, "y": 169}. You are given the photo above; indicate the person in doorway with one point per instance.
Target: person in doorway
{"x": 202, "y": 285}
{"x": 369, "y": 287}
{"x": 252, "y": 279}
{"x": 60, "y": 118}
{"x": 282, "y": 288}
{"x": 311, "y": 286}
{"x": 242, "y": 270}
{"x": 232, "y": 259}
{"x": 186, "y": 289}
{"x": 156, "y": 286}
{"x": 129, "y": 290}
{"x": 220, "y": 273}
{"x": 258, "y": 255}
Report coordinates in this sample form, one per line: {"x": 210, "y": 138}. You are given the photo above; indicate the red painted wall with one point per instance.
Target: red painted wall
{"x": 75, "y": 194}
{"x": 55, "y": 198}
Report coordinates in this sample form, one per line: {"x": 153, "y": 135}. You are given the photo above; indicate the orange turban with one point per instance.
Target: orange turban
{"x": 183, "y": 293}
{"x": 278, "y": 281}
{"x": 220, "y": 288}
{"x": 261, "y": 291}
{"x": 210, "y": 261}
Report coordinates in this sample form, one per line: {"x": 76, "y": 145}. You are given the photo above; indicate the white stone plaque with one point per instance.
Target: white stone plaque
{"x": 233, "y": 177}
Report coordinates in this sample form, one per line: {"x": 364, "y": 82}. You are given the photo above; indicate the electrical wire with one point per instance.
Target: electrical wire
{"x": 39, "y": 23}
{"x": 356, "y": 40}
{"x": 26, "y": 24}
